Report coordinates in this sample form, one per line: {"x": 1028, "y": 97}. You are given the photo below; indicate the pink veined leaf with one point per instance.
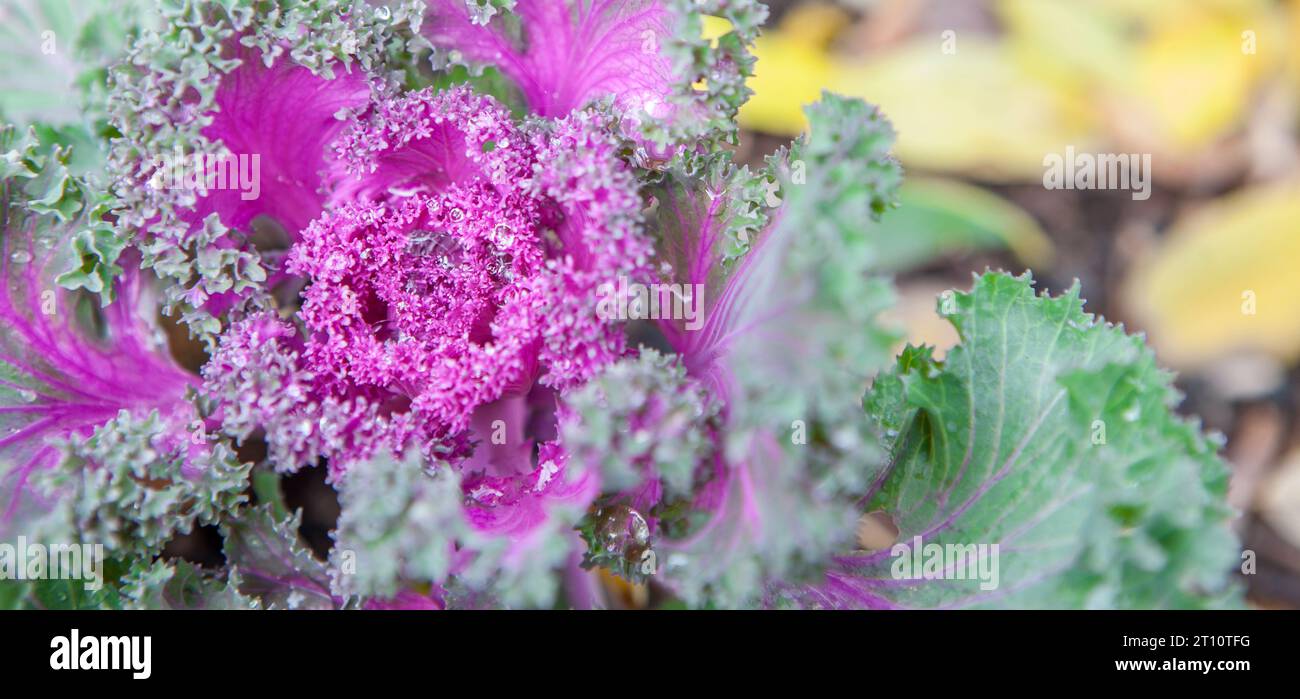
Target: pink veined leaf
{"x": 255, "y": 158}
{"x": 59, "y": 380}
{"x": 570, "y": 52}
{"x": 284, "y": 116}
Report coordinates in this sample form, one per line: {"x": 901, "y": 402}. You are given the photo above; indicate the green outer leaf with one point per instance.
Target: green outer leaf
{"x": 122, "y": 488}
{"x": 1002, "y": 443}
{"x": 62, "y": 208}
{"x": 65, "y": 593}
{"x": 56, "y": 594}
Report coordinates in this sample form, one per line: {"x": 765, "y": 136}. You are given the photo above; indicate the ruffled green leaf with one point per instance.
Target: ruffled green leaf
{"x": 138, "y": 481}
{"x": 1051, "y": 436}
{"x": 398, "y": 527}
{"x": 786, "y": 262}
{"x": 269, "y": 562}
{"x": 182, "y": 585}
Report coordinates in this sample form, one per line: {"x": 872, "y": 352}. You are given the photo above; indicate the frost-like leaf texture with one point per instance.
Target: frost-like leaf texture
{"x": 646, "y": 56}
{"x": 1050, "y": 434}
{"x": 399, "y": 526}
{"x": 643, "y": 424}
{"x": 140, "y": 479}
{"x": 810, "y": 274}
{"x": 91, "y": 405}
{"x": 784, "y": 259}
{"x": 651, "y": 433}
{"x": 476, "y": 541}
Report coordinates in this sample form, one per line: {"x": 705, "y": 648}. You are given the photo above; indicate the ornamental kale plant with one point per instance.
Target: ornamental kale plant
{"x": 493, "y": 266}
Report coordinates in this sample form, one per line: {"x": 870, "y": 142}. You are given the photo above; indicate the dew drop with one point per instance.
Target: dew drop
{"x": 21, "y": 257}
{"x": 502, "y": 236}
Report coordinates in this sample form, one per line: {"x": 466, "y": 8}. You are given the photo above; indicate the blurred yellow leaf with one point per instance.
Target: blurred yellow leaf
{"x": 1170, "y": 77}
{"x": 815, "y": 23}
{"x": 1225, "y": 280}
{"x": 1293, "y": 41}
{"x": 623, "y": 594}
{"x": 789, "y": 75}
{"x": 1067, "y": 42}
{"x": 976, "y": 112}
{"x": 793, "y": 67}
{"x": 1194, "y": 76}
{"x": 1152, "y": 12}
{"x": 1279, "y": 500}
